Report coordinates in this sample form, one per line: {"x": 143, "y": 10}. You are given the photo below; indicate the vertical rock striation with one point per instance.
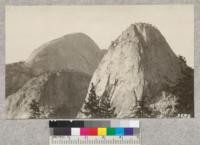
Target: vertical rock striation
{"x": 136, "y": 71}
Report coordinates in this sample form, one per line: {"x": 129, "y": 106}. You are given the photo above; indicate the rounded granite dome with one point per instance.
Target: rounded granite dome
{"x": 75, "y": 51}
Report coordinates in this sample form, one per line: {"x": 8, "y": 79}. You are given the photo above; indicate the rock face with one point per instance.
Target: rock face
{"x": 71, "y": 52}
{"x": 50, "y": 95}
{"x": 137, "y": 72}
{"x": 53, "y": 82}
{"x": 17, "y": 74}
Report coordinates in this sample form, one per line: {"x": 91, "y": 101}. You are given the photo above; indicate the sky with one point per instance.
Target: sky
{"x": 28, "y": 27}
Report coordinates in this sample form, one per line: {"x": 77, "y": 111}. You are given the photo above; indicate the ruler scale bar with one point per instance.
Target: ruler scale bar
{"x": 134, "y": 140}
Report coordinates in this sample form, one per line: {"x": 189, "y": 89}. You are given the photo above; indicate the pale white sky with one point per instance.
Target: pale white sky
{"x": 28, "y": 27}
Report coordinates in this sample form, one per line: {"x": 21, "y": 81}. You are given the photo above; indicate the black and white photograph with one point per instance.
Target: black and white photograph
{"x": 99, "y": 61}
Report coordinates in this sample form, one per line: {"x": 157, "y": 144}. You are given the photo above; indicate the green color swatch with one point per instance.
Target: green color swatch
{"x": 110, "y": 131}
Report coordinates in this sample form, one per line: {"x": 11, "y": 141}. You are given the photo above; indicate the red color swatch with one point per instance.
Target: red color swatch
{"x": 93, "y": 131}
{"x": 88, "y": 131}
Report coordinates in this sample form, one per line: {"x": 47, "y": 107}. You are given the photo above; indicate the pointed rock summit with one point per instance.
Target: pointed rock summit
{"x": 137, "y": 72}
{"x": 75, "y": 51}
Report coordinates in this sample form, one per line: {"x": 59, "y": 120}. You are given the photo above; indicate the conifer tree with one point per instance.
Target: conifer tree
{"x": 136, "y": 112}
{"x": 140, "y": 111}
{"x": 35, "y": 110}
{"x": 98, "y": 107}
{"x": 91, "y": 105}
{"x": 105, "y": 109}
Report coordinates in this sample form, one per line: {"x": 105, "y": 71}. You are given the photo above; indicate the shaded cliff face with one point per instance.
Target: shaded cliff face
{"x": 17, "y": 74}
{"x": 71, "y": 52}
{"x": 50, "y": 95}
{"x": 53, "y": 82}
{"x": 136, "y": 71}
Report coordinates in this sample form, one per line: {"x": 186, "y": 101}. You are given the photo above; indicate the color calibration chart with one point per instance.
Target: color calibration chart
{"x": 100, "y": 132}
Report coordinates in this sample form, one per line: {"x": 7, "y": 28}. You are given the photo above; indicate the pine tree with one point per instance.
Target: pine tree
{"x": 91, "y": 105}
{"x": 182, "y": 59}
{"x": 35, "y": 110}
{"x": 105, "y": 109}
{"x": 140, "y": 111}
{"x": 96, "y": 107}
{"x": 136, "y": 112}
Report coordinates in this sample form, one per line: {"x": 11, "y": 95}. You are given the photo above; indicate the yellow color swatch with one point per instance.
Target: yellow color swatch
{"x": 102, "y": 131}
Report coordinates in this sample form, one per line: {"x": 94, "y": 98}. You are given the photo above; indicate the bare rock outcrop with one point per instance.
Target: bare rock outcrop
{"x": 137, "y": 72}
{"x": 50, "y": 95}
{"x": 75, "y": 51}
{"x": 53, "y": 81}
